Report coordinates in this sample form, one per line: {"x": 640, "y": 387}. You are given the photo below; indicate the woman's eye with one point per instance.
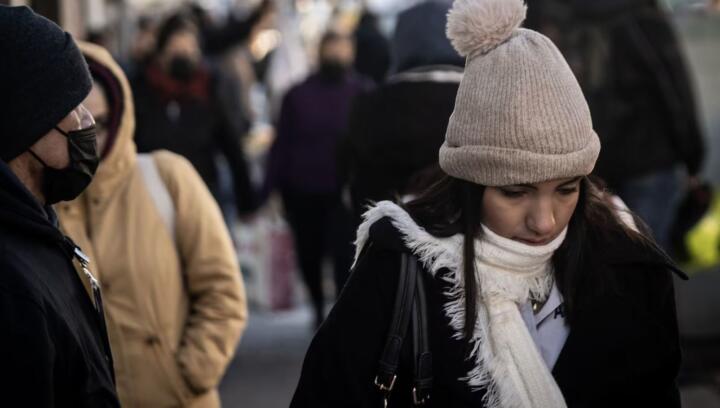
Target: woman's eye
{"x": 568, "y": 191}
{"x": 512, "y": 193}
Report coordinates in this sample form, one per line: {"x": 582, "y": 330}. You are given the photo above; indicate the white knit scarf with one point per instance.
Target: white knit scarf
{"x": 508, "y": 364}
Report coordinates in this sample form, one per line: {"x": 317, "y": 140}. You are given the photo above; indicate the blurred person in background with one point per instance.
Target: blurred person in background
{"x": 629, "y": 63}
{"x": 303, "y": 164}
{"x": 185, "y": 105}
{"x": 175, "y": 302}
{"x": 372, "y": 49}
{"x": 395, "y": 131}
{"x": 221, "y": 36}
{"x": 53, "y": 344}
{"x": 142, "y": 46}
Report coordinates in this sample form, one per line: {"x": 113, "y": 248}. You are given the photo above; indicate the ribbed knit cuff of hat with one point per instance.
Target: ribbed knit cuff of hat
{"x": 496, "y": 166}
{"x": 44, "y": 78}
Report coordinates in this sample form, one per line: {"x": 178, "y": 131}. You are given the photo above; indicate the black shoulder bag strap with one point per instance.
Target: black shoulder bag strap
{"x": 410, "y": 302}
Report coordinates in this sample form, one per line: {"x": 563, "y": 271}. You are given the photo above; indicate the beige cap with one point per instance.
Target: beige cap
{"x": 520, "y": 116}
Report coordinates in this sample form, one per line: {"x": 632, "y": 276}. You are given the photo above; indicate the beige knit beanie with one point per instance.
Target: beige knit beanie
{"x": 520, "y": 116}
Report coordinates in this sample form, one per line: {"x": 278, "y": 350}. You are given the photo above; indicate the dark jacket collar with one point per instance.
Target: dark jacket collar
{"x": 618, "y": 249}
{"x": 21, "y": 213}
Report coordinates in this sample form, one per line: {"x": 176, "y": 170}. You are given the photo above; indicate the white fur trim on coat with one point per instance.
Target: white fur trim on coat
{"x": 489, "y": 372}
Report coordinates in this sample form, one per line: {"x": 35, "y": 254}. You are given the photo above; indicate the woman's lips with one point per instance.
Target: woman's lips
{"x": 534, "y": 242}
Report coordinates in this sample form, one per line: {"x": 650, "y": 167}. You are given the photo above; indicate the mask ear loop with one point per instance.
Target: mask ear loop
{"x": 37, "y": 158}
{"x": 62, "y": 132}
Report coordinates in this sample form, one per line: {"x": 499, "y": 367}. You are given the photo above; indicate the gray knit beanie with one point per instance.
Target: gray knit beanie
{"x": 520, "y": 116}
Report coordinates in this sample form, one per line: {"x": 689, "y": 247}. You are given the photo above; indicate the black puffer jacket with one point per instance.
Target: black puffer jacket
{"x": 622, "y": 351}
{"x": 53, "y": 346}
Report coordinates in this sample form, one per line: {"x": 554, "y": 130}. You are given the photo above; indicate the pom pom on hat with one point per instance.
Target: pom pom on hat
{"x": 520, "y": 116}
{"x": 478, "y": 26}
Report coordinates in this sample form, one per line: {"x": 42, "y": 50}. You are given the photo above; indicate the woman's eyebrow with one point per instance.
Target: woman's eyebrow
{"x": 575, "y": 180}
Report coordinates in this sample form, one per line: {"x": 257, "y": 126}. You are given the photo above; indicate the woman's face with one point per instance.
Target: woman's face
{"x": 533, "y": 214}
{"x": 97, "y": 103}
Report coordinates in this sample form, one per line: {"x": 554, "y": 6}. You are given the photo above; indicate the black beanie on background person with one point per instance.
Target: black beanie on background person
{"x": 420, "y": 40}
{"x": 43, "y": 77}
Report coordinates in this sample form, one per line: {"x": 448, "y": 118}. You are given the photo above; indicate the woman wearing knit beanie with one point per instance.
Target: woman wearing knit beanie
{"x": 537, "y": 290}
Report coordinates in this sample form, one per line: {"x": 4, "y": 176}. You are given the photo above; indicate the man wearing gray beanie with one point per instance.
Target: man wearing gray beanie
{"x": 53, "y": 346}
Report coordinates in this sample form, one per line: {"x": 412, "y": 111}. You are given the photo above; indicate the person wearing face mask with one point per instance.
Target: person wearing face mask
{"x": 53, "y": 341}
{"x": 174, "y": 298}
{"x": 185, "y": 105}
{"x": 534, "y": 290}
{"x": 303, "y": 164}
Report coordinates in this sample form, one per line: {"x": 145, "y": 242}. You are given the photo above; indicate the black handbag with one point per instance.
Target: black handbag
{"x": 410, "y": 304}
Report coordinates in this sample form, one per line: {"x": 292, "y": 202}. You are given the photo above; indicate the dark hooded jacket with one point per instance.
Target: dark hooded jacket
{"x": 372, "y": 54}
{"x": 622, "y": 350}
{"x": 629, "y": 63}
{"x": 396, "y": 130}
{"x": 53, "y": 344}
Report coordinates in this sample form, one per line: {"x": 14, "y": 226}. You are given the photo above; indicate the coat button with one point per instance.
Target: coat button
{"x": 152, "y": 340}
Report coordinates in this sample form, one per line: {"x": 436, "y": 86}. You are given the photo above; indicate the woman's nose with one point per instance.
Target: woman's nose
{"x": 541, "y": 218}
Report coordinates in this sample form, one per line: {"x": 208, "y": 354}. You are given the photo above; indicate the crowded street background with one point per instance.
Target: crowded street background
{"x": 240, "y": 142}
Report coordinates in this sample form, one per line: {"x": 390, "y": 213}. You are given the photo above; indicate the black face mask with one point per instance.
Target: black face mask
{"x": 66, "y": 184}
{"x": 182, "y": 68}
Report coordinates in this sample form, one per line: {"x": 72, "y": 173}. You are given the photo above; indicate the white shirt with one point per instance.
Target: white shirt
{"x": 548, "y": 327}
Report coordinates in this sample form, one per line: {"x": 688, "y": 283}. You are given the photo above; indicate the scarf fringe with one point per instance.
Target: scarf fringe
{"x": 446, "y": 253}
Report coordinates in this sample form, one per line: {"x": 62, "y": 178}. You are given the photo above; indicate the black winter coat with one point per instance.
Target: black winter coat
{"x": 53, "y": 346}
{"x": 630, "y": 65}
{"x": 197, "y": 130}
{"x": 622, "y": 351}
{"x": 395, "y": 132}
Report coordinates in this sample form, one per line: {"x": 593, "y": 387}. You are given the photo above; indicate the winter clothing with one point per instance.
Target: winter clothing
{"x": 512, "y": 122}
{"x": 196, "y": 120}
{"x": 303, "y": 165}
{"x": 643, "y": 194}
{"x": 626, "y": 338}
{"x": 313, "y": 119}
{"x": 53, "y": 346}
{"x": 631, "y": 68}
{"x": 508, "y": 363}
{"x": 395, "y": 131}
{"x": 320, "y": 225}
{"x": 419, "y": 39}
{"x": 44, "y": 77}
{"x": 220, "y": 38}
{"x": 372, "y": 51}
{"x": 511, "y": 274}
{"x": 175, "y": 304}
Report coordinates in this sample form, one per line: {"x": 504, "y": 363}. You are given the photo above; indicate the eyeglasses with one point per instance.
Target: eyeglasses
{"x": 83, "y": 118}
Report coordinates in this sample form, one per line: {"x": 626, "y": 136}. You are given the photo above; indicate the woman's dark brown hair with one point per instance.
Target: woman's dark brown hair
{"x": 452, "y": 206}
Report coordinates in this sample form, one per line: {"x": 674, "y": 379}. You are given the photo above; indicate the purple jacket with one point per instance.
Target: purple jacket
{"x": 313, "y": 119}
